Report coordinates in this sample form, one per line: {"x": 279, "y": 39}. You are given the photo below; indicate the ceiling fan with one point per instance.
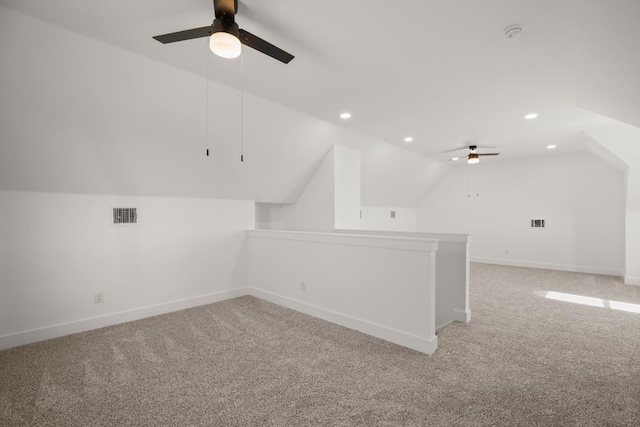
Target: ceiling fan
{"x": 225, "y": 38}
{"x": 473, "y": 156}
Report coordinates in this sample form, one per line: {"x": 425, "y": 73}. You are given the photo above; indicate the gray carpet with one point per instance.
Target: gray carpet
{"x": 523, "y": 360}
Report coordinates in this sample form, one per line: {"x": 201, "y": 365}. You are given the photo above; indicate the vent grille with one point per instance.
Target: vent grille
{"x": 125, "y": 215}
{"x": 537, "y": 223}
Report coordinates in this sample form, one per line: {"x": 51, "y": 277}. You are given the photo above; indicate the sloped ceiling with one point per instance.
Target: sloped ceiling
{"x": 83, "y": 116}
{"x": 604, "y": 42}
{"x": 442, "y": 72}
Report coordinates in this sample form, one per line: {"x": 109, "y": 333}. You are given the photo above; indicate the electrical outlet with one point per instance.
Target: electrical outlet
{"x": 506, "y": 252}
{"x": 98, "y": 298}
{"x": 303, "y": 286}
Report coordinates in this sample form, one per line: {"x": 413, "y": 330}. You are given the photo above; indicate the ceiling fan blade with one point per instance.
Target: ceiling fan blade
{"x": 488, "y": 154}
{"x": 265, "y": 47}
{"x": 466, "y": 147}
{"x": 194, "y": 33}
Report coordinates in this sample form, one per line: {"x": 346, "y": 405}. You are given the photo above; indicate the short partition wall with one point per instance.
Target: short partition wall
{"x": 452, "y": 272}
{"x": 380, "y": 285}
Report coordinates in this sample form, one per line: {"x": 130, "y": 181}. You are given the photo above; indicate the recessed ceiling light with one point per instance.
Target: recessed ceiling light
{"x": 531, "y": 116}
{"x": 408, "y": 139}
{"x": 345, "y": 116}
{"x": 551, "y": 147}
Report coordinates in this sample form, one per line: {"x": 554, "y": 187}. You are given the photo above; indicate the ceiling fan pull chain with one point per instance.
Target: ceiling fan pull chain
{"x": 242, "y": 107}
{"x": 208, "y": 60}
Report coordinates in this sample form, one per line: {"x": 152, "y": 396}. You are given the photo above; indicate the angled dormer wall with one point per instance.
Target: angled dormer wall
{"x": 623, "y": 141}
{"x": 330, "y": 200}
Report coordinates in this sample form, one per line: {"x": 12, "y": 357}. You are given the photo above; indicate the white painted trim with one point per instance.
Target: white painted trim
{"x": 461, "y": 315}
{"x": 457, "y": 316}
{"x": 411, "y": 341}
{"x": 441, "y": 327}
{"x": 445, "y": 237}
{"x": 448, "y": 237}
{"x": 374, "y": 241}
{"x": 559, "y": 267}
{"x": 632, "y": 281}
{"x": 74, "y": 327}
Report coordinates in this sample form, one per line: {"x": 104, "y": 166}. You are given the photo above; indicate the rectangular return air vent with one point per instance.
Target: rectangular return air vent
{"x": 125, "y": 215}
{"x": 537, "y": 223}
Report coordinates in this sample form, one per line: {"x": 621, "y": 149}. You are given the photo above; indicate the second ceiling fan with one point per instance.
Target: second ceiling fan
{"x": 225, "y": 36}
{"x": 473, "y": 156}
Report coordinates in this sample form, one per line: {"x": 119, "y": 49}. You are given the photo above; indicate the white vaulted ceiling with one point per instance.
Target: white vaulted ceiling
{"x": 440, "y": 71}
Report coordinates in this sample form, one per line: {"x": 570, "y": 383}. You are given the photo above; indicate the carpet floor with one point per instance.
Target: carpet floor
{"x": 523, "y": 360}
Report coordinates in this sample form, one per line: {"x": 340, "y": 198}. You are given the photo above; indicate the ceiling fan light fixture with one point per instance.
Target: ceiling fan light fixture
{"x": 473, "y": 158}
{"x": 225, "y": 40}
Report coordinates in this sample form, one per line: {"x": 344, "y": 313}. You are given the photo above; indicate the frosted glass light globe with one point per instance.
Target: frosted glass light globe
{"x": 225, "y": 45}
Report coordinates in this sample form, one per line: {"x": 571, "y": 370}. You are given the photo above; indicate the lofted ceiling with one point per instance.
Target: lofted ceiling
{"x": 440, "y": 71}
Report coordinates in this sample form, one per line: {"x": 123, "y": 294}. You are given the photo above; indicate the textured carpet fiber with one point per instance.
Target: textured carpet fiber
{"x": 523, "y": 360}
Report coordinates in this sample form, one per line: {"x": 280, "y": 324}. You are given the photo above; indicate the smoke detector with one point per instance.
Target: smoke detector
{"x": 513, "y": 31}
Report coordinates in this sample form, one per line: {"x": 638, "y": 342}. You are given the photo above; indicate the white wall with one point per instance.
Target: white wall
{"x": 331, "y": 198}
{"x": 269, "y": 216}
{"x": 57, "y": 250}
{"x": 452, "y": 272}
{"x": 379, "y": 218}
{"x": 315, "y": 208}
{"x": 581, "y": 198}
{"x": 623, "y": 141}
{"x": 605, "y": 55}
{"x": 633, "y": 248}
{"x": 347, "y": 187}
{"x": 382, "y": 286}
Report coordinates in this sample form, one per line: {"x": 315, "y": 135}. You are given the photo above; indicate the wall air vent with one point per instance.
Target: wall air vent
{"x": 125, "y": 216}
{"x": 537, "y": 223}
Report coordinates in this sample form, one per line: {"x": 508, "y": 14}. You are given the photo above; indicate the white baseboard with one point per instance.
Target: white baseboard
{"x": 55, "y": 331}
{"x": 414, "y": 342}
{"x": 559, "y": 267}
{"x": 461, "y": 315}
{"x": 456, "y": 315}
{"x": 441, "y": 327}
{"x": 632, "y": 281}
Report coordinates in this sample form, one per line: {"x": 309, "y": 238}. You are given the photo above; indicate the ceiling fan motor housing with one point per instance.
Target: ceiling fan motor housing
{"x": 225, "y": 26}
{"x": 226, "y": 9}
